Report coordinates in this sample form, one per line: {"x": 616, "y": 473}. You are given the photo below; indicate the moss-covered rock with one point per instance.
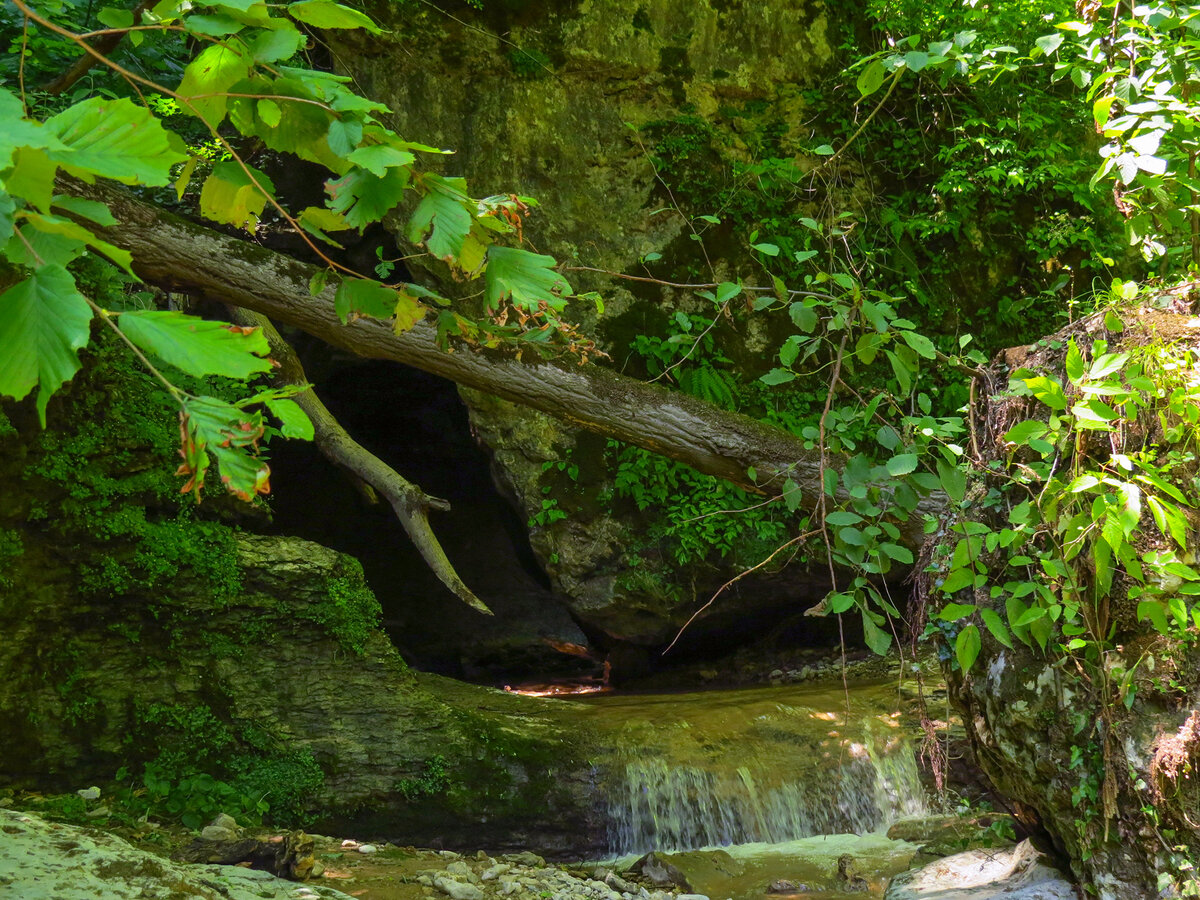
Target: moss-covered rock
{"x": 219, "y": 667}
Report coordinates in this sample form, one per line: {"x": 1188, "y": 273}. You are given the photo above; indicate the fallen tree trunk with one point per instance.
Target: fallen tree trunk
{"x": 175, "y": 253}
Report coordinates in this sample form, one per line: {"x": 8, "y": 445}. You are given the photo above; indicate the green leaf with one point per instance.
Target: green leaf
{"x": 92, "y": 210}
{"x": 952, "y": 612}
{"x": 231, "y": 435}
{"x": 73, "y": 231}
{"x": 32, "y": 177}
{"x": 1154, "y": 612}
{"x": 281, "y": 42}
{"x": 19, "y": 131}
{"x": 1023, "y": 432}
{"x": 324, "y": 14}
{"x": 409, "y": 310}
{"x": 919, "y": 343}
{"x": 843, "y": 517}
{"x": 902, "y": 372}
{"x": 442, "y": 219}
{"x": 957, "y": 580}
{"x": 198, "y": 346}
{"x": 1048, "y": 43}
{"x": 897, "y": 552}
{"x": 902, "y": 464}
{"x": 113, "y": 138}
{"x": 1074, "y": 362}
{"x": 364, "y": 198}
{"x": 871, "y": 79}
{"x": 996, "y": 626}
{"x": 527, "y": 278}
{"x": 916, "y": 60}
{"x": 43, "y": 322}
{"x": 966, "y": 647}
{"x": 362, "y": 297}
{"x": 230, "y": 197}
{"x": 877, "y": 639}
{"x": 954, "y": 481}
{"x": 115, "y": 18}
{"x": 1048, "y": 390}
{"x": 778, "y": 376}
{"x": 344, "y": 135}
{"x": 293, "y": 421}
{"x": 792, "y": 495}
{"x": 209, "y": 77}
{"x": 378, "y": 158}
{"x": 803, "y": 316}
{"x": 216, "y": 25}
{"x": 766, "y": 249}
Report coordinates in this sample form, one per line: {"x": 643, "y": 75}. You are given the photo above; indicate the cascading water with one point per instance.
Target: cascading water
{"x": 767, "y": 765}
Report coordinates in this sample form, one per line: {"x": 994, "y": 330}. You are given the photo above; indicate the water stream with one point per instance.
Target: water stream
{"x": 763, "y": 773}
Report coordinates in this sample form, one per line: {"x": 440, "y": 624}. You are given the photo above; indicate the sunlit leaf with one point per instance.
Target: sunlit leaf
{"x": 198, "y": 346}
{"x": 527, "y": 278}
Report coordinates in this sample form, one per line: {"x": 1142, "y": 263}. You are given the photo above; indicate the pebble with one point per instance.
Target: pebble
{"x": 457, "y": 890}
{"x": 368, "y": 848}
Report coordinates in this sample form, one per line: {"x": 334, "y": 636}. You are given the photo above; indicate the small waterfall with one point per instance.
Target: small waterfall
{"x": 777, "y": 776}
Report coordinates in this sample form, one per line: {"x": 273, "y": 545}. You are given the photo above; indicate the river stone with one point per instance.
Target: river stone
{"x": 457, "y": 890}
{"x": 1021, "y": 873}
{"x": 41, "y": 860}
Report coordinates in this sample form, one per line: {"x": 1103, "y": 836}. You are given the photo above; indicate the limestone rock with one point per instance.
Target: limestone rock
{"x": 41, "y": 860}
{"x": 1020, "y": 873}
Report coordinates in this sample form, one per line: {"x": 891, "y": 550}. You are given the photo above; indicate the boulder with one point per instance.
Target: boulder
{"x": 41, "y": 860}
{"x": 1018, "y": 873}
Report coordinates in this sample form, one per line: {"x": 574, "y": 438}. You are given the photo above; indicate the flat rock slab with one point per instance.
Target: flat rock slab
{"x": 42, "y": 860}
{"x": 1017, "y": 873}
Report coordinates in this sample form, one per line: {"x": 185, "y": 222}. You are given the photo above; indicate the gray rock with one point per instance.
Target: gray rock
{"x": 457, "y": 890}
{"x": 91, "y": 793}
{"x": 41, "y": 860}
{"x": 368, "y": 848}
{"x": 1021, "y": 873}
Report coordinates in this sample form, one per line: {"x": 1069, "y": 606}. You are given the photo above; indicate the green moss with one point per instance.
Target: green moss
{"x": 433, "y": 780}
{"x": 529, "y": 64}
{"x": 350, "y": 612}
{"x": 10, "y": 549}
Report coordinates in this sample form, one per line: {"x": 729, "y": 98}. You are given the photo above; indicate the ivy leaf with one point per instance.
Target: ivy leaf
{"x": 198, "y": 346}
{"x": 442, "y": 220}
{"x": 324, "y": 14}
{"x": 230, "y": 197}
{"x": 43, "y": 322}
{"x": 528, "y": 278}
{"x": 966, "y": 647}
{"x": 115, "y": 139}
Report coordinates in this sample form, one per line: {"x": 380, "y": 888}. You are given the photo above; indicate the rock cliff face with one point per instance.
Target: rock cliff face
{"x": 143, "y": 632}
{"x": 571, "y": 103}
{"x": 1101, "y": 754}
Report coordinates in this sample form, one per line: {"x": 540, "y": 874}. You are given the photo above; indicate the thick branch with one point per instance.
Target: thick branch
{"x": 171, "y": 251}
{"x": 105, "y": 44}
{"x": 411, "y": 504}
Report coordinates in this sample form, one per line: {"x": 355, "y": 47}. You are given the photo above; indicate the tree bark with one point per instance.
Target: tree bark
{"x": 180, "y": 255}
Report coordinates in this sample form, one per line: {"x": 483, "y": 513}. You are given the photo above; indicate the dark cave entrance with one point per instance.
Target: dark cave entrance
{"x": 417, "y": 424}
